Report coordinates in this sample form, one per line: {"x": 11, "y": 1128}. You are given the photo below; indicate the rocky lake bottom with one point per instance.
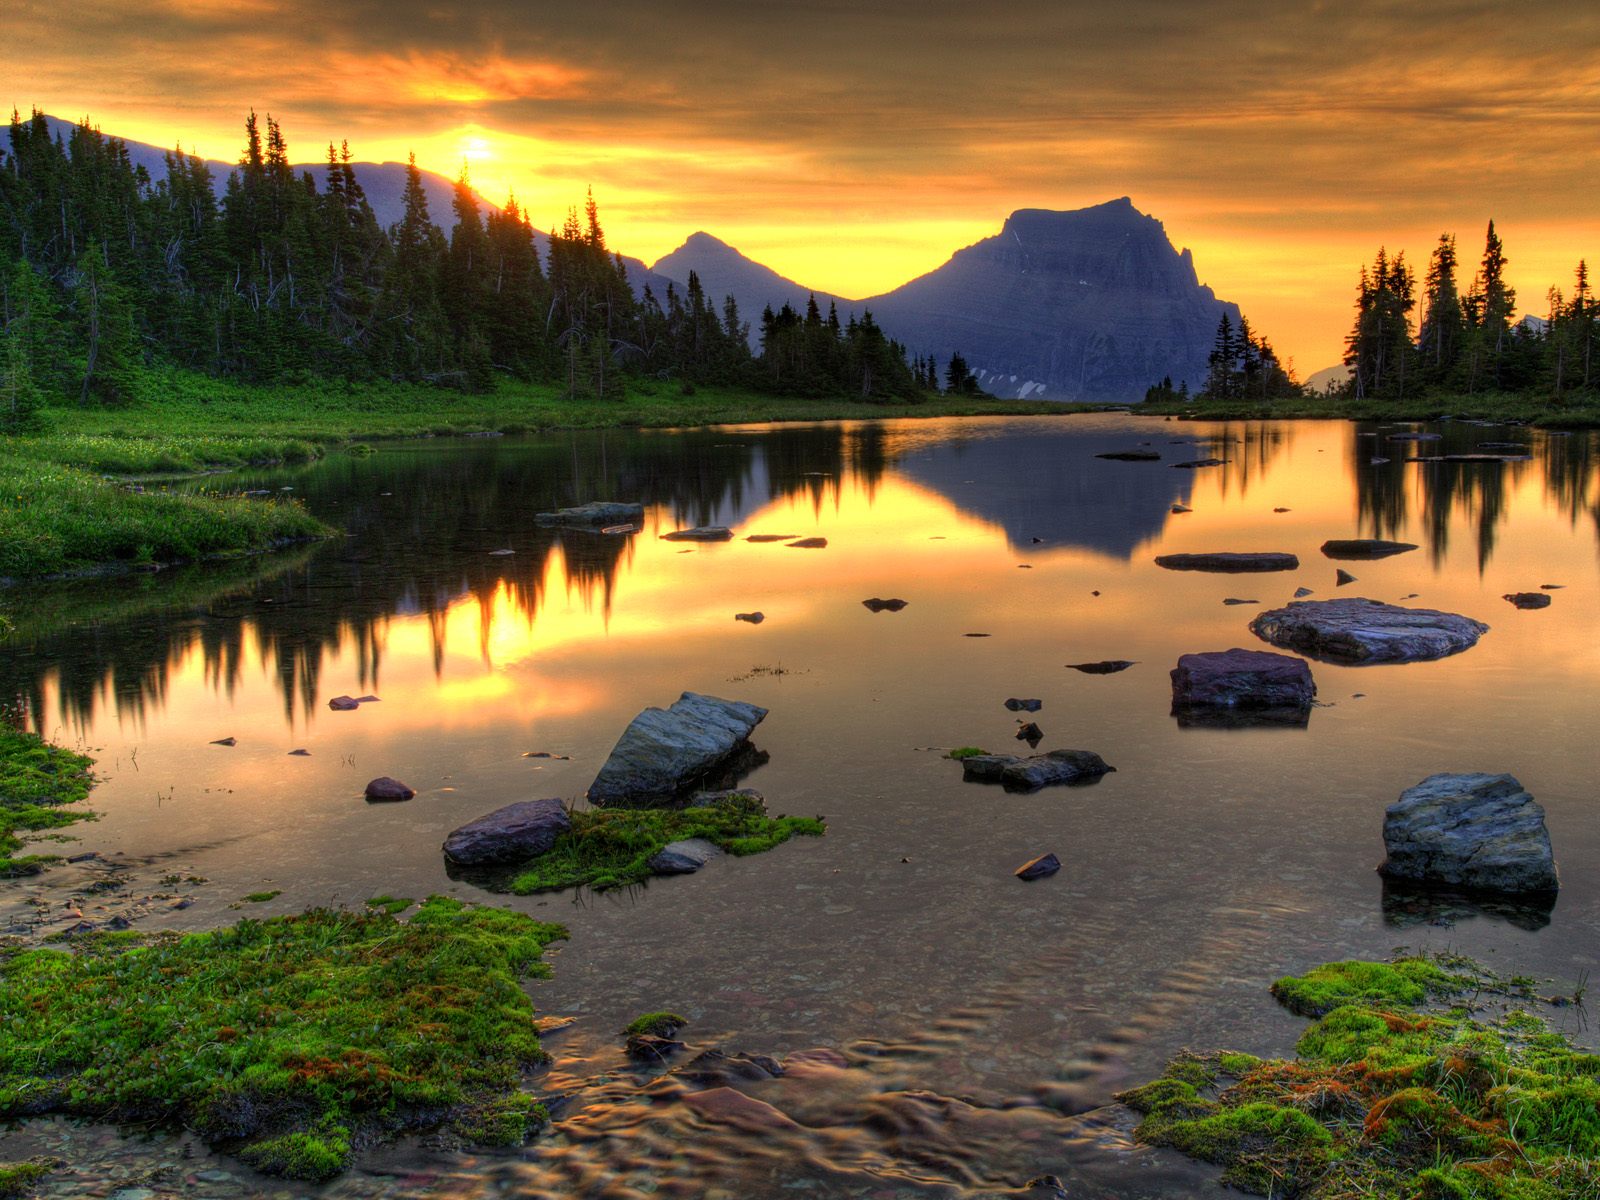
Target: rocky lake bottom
{"x": 946, "y": 1029}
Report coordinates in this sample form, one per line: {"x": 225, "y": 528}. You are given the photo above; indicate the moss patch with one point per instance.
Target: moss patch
{"x": 289, "y": 1041}
{"x": 18, "y": 1179}
{"x": 612, "y": 847}
{"x": 1389, "y": 1101}
{"x": 261, "y": 897}
{"x": 655, "y": 1024}
{"x": 966, "y": 752}
{"x": 37, "y": 782}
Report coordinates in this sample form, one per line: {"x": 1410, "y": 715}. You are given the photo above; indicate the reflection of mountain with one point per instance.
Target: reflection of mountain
{"x": 422, "y": 522}
{"x": 1050, "y": 492}
{"x": 1478, "y": 491}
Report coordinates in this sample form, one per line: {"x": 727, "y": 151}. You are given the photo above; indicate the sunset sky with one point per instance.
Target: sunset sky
{"x": 852, "y": 146}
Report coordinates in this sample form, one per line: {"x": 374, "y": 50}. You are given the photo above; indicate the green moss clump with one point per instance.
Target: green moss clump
{"x": 298, "y": 1036}
{"x": 655, "y": 1024}
{"x": 612, "y": 847}
{"x": 18, "y": 1179}
{"x": 262, "y": 897}
{"x": 393, "y": 905}
{"x": 37, "y": 781}
{"x": 1404, "y": 983}
{"x": 965, "y": 752}
{"x": 1389, "y": 1102}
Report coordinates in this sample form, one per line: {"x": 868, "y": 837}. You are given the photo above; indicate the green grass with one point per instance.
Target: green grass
{"x": 1390, "y": 1099}
{"x": 261, "y": 897}
{"x": 611, "y": 847}
{"x": 1574, "y": 412}
{"x": 966, "y": 752}
{"x": 63, "y": 520}
{"x": 38, "y": 781}
{"x": 393, "y": 905}
{"x": 291, "y": 1041}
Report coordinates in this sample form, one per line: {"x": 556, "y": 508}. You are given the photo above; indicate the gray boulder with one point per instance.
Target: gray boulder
{"x": 1475, "y": 831}
{"x": 597, "y": 514}
{"x": 683, "y": 858}
{"x": 384, "y": 788}
{"x": 664, "y": 752}
{"x": 512, "y": 834}
{"x": 1367, "y": 631}
{"x": 1229, "y": 564}
{"x": 1040, "y": 770}
{"x": 1038, "y": 868}
{"x": 700, "y": 533}
{"x": 1242, "y": 679}
{"x": 1364, "y": 548}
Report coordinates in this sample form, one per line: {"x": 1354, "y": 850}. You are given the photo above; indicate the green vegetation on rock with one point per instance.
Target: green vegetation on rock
{"x": 966, "y": 752}
{"x": 655, "y": 1024}
{"x": 37, "y": 781}
{"x": 19, "y": 1179}
{"x": 1391, "y": 1100}
{"x": 290, "y": 1041}
{"x": 612, "y": 847}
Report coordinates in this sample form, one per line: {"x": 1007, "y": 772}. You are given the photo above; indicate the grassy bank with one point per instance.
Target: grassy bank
{"x": 39, "y": 785}
{"x": 612, "y": 847}
{"x": 290, "y": 1042}
{"x": 1543, "y": 411}
{"x": 1417, "y": 1081}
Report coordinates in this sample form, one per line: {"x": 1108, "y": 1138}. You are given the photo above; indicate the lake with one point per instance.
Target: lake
{"x": 986, "y": 1022}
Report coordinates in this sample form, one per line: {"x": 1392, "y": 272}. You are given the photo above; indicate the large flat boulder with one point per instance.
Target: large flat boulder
{"x": 597, "y": 514}
{"x": 1356, "y": 630}
{"x": 1020, "y": 774}
{"x": 1229, "y": 563}
{"x": 1477, "y": 831}
{"x": 512, "y": 834}
{"x": 1242, "y": 679}
{"x": 666, "y": 751}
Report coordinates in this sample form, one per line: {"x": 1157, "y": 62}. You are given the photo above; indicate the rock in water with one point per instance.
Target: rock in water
{"x": 1109, "y": 667}
{"x": 385, "y": 788}
{"x": 750, "y": 618}
{"x": 1030, "y": 733}
{"x": 878, "y": 604}
{"x": 683, "y": 858}
{"x": 1475, "y": 831}
{"x": 512, "y": 834}
{"x": 1367, "y": 631}
{"x": 1242, "y": 679}
{"x": 1181, "y": 508}
{"x": 1342, "y": 577}
{"x": 597, "y": 514}
{"x": 1041, "y": 770}
{"x": 810, "y": 543}
{"x": 1016, "y": 705}
{"x": 1364, "y": 548}
{"x": 700, "y": 533}
{"x": 344, "y": 703}
{"x": 1528, "y": 599}
{"x": 664, "y": 752}
{"x": 1131, "y": 456}
{"x": 1045, "y": 864}
{"x": 1227, "y": 563}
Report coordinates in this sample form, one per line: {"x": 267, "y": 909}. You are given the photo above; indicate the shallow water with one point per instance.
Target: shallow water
{"x": 986, "y": 1021}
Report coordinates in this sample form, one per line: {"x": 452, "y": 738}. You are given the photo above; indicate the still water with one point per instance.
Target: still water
{"x": 986, "y": 1022}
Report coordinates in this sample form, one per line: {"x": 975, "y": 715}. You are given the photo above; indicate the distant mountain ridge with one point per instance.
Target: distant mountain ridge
{"x": 384, "y": 184}
{"x": 1090, "y": 304}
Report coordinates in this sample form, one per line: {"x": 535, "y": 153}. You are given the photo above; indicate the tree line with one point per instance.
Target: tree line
{"x": 106, "y": 271}
{"x": 1242, "y": 365}
{"x": 1467, "y": 341}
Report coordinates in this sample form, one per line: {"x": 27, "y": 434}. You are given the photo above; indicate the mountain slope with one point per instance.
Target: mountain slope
{"x": 1093, "y": 304}
{"x": 723, "y": 271}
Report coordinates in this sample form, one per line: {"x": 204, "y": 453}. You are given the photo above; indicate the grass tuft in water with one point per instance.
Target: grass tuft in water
{"x": 612, "y": 847}
{"x": 37, "y": 781}
{"x": 966, "y": 752}
{"x": 1388, "y": 1101}
{"x": 291, "y": 1041}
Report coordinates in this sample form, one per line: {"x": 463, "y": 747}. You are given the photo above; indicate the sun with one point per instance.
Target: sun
{"x": 476, "y": 149}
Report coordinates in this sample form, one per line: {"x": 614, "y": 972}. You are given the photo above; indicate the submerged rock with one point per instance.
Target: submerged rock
{"x": 385, "y": 788}
{"x": 1109, "y": 667}
{"x": 1363, "y": 548}
{"x": 684, "y": 857}
{"x": 719, "y": 1067}
{"x": 734, "y": 1108}
{"x": 809, "y": 543}
{"x": 700, "y": 533}
{"x": 1229, "y": 563}
{"x": 1367, "y": 631}
{"x": 1242, "y": 679}
{"x": 1475, "y": 831}
{"x": 596, "y": 514}
{"x": 1038, "y": 868}
{"x": 664, "y": 752}
{"x": 875, "y": 604}
{"x": 512, "y": 834}
{"x": 1528, "y": 599}
{"x": 1040, "y": 770}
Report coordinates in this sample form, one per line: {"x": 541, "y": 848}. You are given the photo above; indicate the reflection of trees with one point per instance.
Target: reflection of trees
{"x": 421, "y": 522}
{"x": 1387, "y": 493}
{"x": 1246, "y": 448}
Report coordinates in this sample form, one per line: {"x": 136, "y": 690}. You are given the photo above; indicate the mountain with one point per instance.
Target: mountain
{"x": 1092, "y": 304}
{"x": 384, "y": 183}
{"x": 723, "y": 271}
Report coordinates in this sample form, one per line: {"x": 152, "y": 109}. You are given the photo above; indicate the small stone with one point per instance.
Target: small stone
{"x": 1109, "y": 667}
{"x": 299, "y": 754}
{"x": 876, "y": 604}
{"x": 1342, "y": 577}
{"x": 750, "y": 618}
{"x": 1232, "y": 600}
{"x": 89, "y": 857}
{"x": 227, "y": 741}
{"x": 683, "y": 857}
{"x": 1280, "y": 510}
{"x": 344, "y": 703}
{"x": 772, "y": 537}
{"x": 1528, "y": 599}
{"x": 119, "y": 922}
{"x": 1131, "y": 456}
{"x": 700, "y": 533}
{"x": 385, "y": 788}
{"x": 1182, "y": 508}
{"x": 1364, "y": 548}
{"x": 809, "y": 543}
{"x": 1016, "y": 705}
{"x": 1038, "y": 868}
{"x": 1300, "y": 593}
{"x": 1228, "y": 562}
{"x": 1030, "y": 733}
